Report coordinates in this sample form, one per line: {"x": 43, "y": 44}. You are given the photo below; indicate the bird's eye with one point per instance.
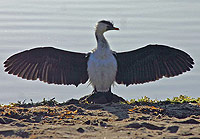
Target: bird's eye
{"x": 109, "y": 27}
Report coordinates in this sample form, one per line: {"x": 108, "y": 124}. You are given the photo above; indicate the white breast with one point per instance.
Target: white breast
{"x": 102, "y": 68}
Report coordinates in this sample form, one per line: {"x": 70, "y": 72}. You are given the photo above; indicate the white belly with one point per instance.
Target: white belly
{"x": 102, "y": 70}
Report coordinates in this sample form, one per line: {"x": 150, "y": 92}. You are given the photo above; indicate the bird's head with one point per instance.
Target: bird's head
{"x": 103, "y": 26}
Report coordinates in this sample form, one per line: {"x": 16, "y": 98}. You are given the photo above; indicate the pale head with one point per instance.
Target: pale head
{"x": 103, "y": 26}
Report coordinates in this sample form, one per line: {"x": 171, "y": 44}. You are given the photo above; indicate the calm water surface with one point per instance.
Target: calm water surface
{"x": 69, "y": 25}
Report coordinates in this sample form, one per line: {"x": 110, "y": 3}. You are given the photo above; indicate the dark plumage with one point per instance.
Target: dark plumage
{"x": 106, "y": 22}
{"x": 151, "y": 63}
{"x": 57, "y": 66}
{"x": 50, "y": 65}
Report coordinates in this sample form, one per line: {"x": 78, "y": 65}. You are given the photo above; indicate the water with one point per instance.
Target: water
{"x": 69, "y": 25}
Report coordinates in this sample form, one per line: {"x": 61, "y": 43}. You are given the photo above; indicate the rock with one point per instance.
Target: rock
{"x": 87, "y": 122}
{"x": 80, "y": 130}
{"x": 101, "y": 98}
{"x": 173, "y": 129}
{"x": 103, "y": 124}
{"x": 106, "y": 119}
{"x": 95, "y": 122}
{"x": 134, "y": 125}
{"x": 151, "y": 126}
{"x": 7, "y": 132}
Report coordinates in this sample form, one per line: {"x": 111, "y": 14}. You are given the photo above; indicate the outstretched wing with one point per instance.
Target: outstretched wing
{"x": 151, "y": 63}
{"x": 50, "y": 65}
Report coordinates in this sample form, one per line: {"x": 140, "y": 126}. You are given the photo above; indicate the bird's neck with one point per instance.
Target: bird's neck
{"x": 101, "y": 41}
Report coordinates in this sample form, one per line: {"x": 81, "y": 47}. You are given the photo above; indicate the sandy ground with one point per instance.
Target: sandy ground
{"x": 101, "y": 121}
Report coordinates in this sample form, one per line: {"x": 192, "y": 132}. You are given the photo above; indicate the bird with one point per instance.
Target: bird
{"x": 101, "y": 67}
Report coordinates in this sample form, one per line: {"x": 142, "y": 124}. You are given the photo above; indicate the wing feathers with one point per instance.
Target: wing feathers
{"x": 50, "y": 65}
{"x": 151, "y": 63}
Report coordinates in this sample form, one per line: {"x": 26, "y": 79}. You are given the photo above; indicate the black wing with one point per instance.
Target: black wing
{"x": 50, "y": 65}
{"x": 151, "y": 63}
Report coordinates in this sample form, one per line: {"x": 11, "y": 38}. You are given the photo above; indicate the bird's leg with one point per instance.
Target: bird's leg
{"x": 94, "y": 91}
{"x": 101, "y": 97}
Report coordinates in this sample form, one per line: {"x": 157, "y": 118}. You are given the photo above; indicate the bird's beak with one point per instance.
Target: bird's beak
{"x": 115, "y": 28}
{"x": 112, "y": 28}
